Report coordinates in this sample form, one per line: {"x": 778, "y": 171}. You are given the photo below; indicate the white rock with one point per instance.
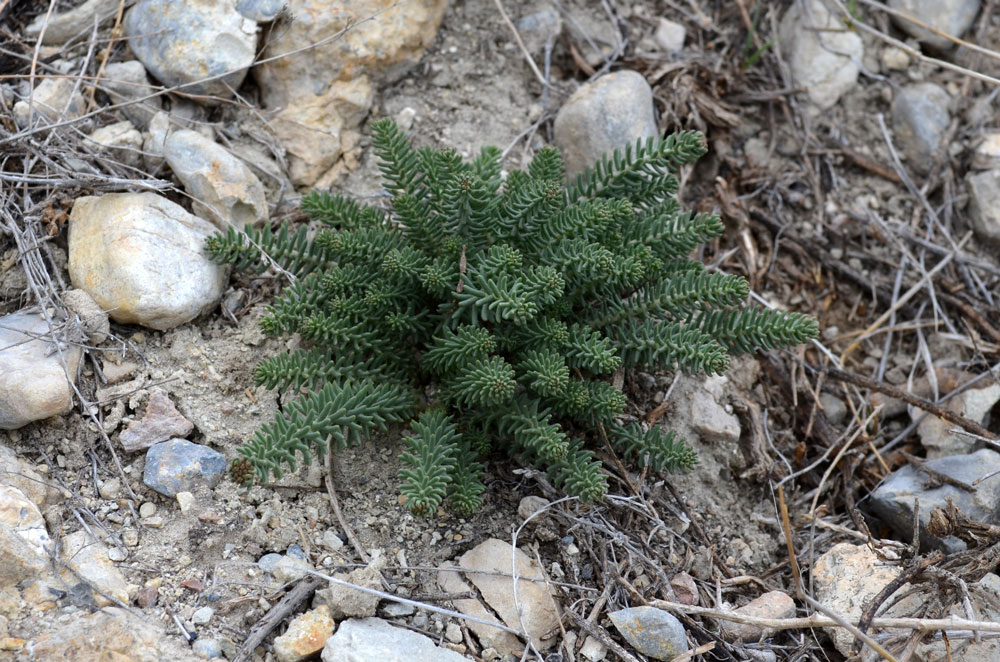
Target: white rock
{"x": 120, "y": 141}
{"x": 987, "y": 152}
{"x": 950, "y": 16}
{"x": 125, "y": 82}
{"x": 290, "y": 569}
{"x": 33, "y": 383}
{"x": 331, "y": 540}
{"x": 185, "y": 500}
{"x": 593, "y": 650}
{"x": 225, "y": 190}
{"x": 822, "y": 55}
{"x": 77, "y": 22}
{"x": 110, "y": 488}
{"x": 147, "y": 510}
{"x": 205, "y": 46}
{"x": 895, "y": 59}
{"x": 935, "y": 433}
{"x": 89, "y": 558}
{"x": 669, "y": 35}
{"x": 708, "y": 417}
{"x": 374, "y": 639}
{"x": 53, "y": 99}
{"x": 141, "y": 257}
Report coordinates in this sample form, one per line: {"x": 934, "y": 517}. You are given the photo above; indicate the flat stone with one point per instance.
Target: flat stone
{"x": 147, "y": 510}
{"x": 374, "y": 639}
{"x": 142, "y": 258}
{"x": 126, "y": 82}
{"x": 202, "y": 616}
{"x": 53, "y": 100}
{"x": 161, "y": 422}
{"x": 33, "y": 383}
{"x": 821, "y": 54}
{"x": 534, "y": 612}
{"x": 893, "y": 500}
{"x": 771, "y": 605}
{"x": 502, "y": 641}
{"x": 89, "y": 559}
{"x": 77, "y": 22}
{"x": 110, "y": 634}
{"x": 179, "y": 465}
{"x": 306, "y": 635}
{"x": 185, "y": 43}
{"x": 225, "y": 190}
{"x": 606, "y": 115}
{"x": 709, "y": 418}
{"x": 393, "y": 609}
{"x": 685, "y": 590}
{"x": 845, "y": 578}
{"x": 953, "y": 17}
{"x": 919, "y": 119}
{"x": 653, "y": 632}
{"x": 290, "y": 569}
{"x": 331, "y": 540}
{"x": 321, "y": 95}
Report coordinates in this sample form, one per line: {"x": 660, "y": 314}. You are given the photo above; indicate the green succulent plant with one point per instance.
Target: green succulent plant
{"x": 489, "y": 311}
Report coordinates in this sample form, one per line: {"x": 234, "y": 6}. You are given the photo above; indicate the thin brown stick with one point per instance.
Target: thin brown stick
{"x": 909, "y": 398}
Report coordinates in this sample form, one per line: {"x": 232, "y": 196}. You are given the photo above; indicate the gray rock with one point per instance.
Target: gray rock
{"x": 161, "y": 422}
{"x": 261, "y": 11}
{"x": 207, "y": 648}
{"x": 331, "y": 540}
{"x": 290, "y": 569}
{"x": 365, "y": 639}
{"x": 154, "y": 140}
{"x": 539, "y": 30}
{"x": 269, "y": 562}
{"x": 120, "y": 142}
{"x": 707, "y": 415}
{"x": 179, "y": 465}
{"x": 390, "y": 609}
{"x": 669, "y": 35}
{"x": 919, "y": 120}
{"x": 833, "y": 407}
{"x": 612, "y": 112}
{"x": 225, "y": 190}
{"x": 823, "y": 57}
{"x": 893, "y": 500}
{"x": 125, "y": 82}
{"x": 185, "y": 43}
{"x": 52, "y": 100}
{"x": 142, "y": 258}
{"x": 347, "y": 602}
{"x": 653, "y": 632}
{"x": 984, "y": 205}
{"x": 77, "y": 22}
{"x": 202, "y": 616}
{"x": 950, "y": 16}
{"x": 33, "y": 383}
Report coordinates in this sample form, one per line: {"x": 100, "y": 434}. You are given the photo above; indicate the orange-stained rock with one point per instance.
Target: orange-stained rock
{"x": 306, "y": 635}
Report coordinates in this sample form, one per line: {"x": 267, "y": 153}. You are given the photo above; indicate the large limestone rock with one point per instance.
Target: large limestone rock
{"x": 322, "y": 94}
{"x": 141, "y": 258}
{"x": 111, "y": 634}
{"x": 33, "y": 382}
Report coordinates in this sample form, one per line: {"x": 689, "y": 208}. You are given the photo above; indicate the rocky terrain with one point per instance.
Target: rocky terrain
{"x": 854, "y": 154}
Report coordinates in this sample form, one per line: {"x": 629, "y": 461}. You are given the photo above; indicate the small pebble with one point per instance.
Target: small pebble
{"x": 117, "y": 554}
{"x": 453, "y": 633}
{"x": 109, "y": 489}
{"x": 155, "y": 522}
{"x": 147, "y": 510}
{"x": 269, "y": 562}
{"x": 202, "y": 616}
{"x": 207, "y": 648}
{"x": 185, "y": 500}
